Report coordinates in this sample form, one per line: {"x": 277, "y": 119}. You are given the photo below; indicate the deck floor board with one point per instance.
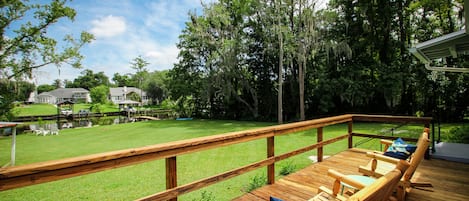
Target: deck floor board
{"x": 450, "y": 180}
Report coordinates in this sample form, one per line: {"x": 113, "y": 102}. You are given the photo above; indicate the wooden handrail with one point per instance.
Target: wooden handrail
{"x": 30, "y": 174}
{"x": 392, "y": 119}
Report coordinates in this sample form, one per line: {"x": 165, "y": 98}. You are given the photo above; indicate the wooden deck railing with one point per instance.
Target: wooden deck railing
{"x": 36, "y": 173}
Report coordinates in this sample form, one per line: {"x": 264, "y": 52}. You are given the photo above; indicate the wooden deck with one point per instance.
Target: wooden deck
{"x": 450, "y": 180}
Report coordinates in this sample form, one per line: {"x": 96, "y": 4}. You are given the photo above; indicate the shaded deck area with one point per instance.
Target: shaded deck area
{"x": 452, "y": 151}
{"x": 450, "y": 180}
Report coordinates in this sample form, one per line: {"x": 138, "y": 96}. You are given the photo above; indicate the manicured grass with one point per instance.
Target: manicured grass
{"x": 137, "y": 181}
{"x": 104, "y": 107}
{"x": 49, "y": 109}
{"x": 35, "y": 110}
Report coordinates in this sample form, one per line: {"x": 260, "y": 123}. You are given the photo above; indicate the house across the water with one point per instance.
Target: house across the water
{"x": 64, "y": 94}
{"x": 120, "y": 95}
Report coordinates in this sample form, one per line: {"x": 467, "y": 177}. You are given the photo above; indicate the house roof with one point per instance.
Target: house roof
{"x": 119, "y": 91}
{"x": 449, "y": 45}
{"x": 64, "y": 92}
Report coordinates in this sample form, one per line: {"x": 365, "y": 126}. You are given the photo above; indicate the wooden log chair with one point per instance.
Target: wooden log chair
{"x": 381, "y": 164}
{"x": 380, "y": 190}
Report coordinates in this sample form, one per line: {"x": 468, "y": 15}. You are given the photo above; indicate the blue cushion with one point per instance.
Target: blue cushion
{"x": 274, "y": 199}
{"x": 399, "y": 149}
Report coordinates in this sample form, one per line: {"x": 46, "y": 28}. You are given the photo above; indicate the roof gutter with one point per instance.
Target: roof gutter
{"x": 447, "y": 69}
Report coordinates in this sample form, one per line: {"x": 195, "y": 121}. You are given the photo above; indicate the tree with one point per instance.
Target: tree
{"x": 12, "y": 91}
{"x": 139, "y": 65}
{"x": 88, "y": 79}
{"x": 155, "y": 86}
{"x": 280, "y": 67}
{"x": 28, "y": 47}
{"x": 25, "y": 45}
{"x": 45, "y": 88}
{"x": 239, "y": 58}
{"x": 99, "y": 94}
{"x": 122, "y": 80}
{"x": 155, "y": 92}
{"x": 57, "y": 83}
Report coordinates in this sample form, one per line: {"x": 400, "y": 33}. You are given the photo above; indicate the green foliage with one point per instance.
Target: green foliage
{"x": 419, "y": 113}
{"x": 155, "y": 92}
{"x": 205, "y": 196}
{"x": 256, "y": 182}
{"x": 156, "y": 86}
{"x": 134, "y": 96}
{"x": 459, "y": 134}
{"x": 349, "y": 58}
{"x": 185, "y": 106}
{"x": 11, "y": 91}
{"x": 25, "y": 45}
{"x": 96, "y": 108}
{"x": 40, "y": 122}
{"x": 287, "y": 168}
{"x": 122, "y": 80}
{"x": 99, "y": 94}
{"x": 88, "y": 79}
{"x": 45, "y": 88}
{"x": 141, "y": 75}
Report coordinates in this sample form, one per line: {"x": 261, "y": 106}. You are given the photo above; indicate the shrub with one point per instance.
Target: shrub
{"x": 460, "y": 134}
{"x": 206, "y": 196}
{"x": 287, "y": 168}
{"x": 256, "y": 182}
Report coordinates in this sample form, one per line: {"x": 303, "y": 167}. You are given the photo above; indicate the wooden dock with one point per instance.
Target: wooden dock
{"x": 147, "y": 118}
{"x": 450, "y": 180}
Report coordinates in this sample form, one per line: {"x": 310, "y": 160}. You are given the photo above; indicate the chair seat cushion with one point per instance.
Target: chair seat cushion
{"x": 400, "y": 149}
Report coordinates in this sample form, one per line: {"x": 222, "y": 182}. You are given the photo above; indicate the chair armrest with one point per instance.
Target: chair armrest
{"x": 386, "y": 143}
{"x": 382, "y": 157}
{"x": 344, "y": 179}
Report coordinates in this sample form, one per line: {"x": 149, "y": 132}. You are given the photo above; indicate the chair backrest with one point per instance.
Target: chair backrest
{"x": 383, "y": 187}
{"x": 422, "y": 146}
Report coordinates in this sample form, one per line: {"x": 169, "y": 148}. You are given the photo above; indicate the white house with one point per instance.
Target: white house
{"x": 62, "y": 94}
{"x": 121, "y": 94}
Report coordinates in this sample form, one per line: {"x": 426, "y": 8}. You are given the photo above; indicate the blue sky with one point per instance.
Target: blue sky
{"x": 124, "y": 29}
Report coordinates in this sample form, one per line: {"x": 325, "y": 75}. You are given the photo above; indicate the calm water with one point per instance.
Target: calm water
{"x": 26, "y": 127}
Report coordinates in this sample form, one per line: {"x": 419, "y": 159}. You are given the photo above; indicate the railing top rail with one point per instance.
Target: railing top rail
{"x": 388, "y": 118}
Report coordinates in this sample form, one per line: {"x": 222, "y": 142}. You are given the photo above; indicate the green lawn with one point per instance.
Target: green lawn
{"x": 137, "y": 181}
{"x": 49, "y": 109}
{"x": 35, "y": 110}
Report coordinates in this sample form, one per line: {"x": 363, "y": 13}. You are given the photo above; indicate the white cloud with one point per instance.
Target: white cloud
{"x": 163, "y": 58}
{"x": 108, "y": 26}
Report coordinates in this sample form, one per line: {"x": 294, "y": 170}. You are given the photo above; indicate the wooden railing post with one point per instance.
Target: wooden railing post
{"x": 350, "y": 131}
{"x": 320, "y": 149}
{"x": 271, "y": 153}
{"x": 171, "y": 174}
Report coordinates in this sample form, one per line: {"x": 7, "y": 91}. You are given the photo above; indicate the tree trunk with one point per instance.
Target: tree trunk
{"x": 301, "y": 82}
{"x": 280, "y": 77}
